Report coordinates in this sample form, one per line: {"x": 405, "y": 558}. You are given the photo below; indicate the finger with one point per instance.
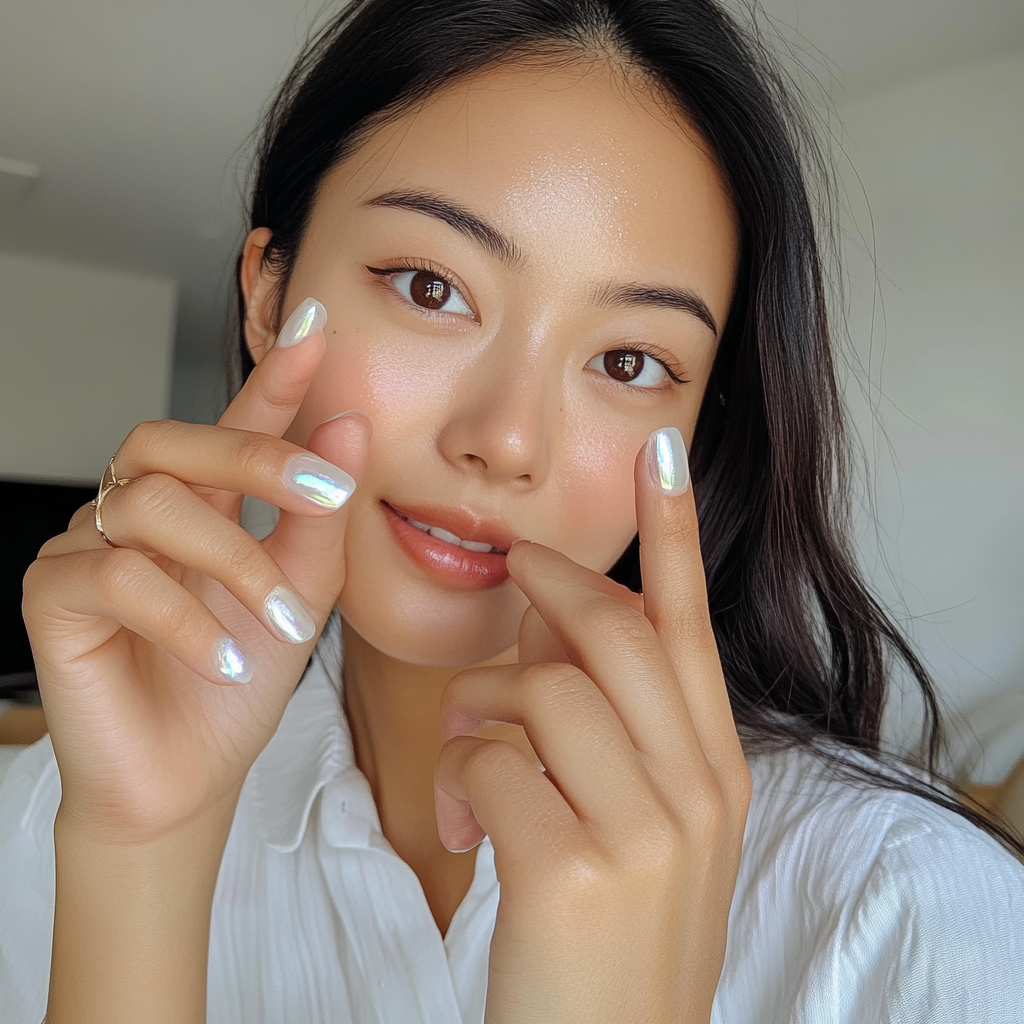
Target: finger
{"x": 274, "y": 390}
{"x": 235, "y": 462}
{"x": 615, "y": 646}
{"x": 81, "y": 535}
{"x": 538, "y": 643}
{"x": 124, "y": 586}
{"x": 311, "y": 550}
{"x": 575, "y": 732}
{"x": 675, "y": 591}
{"x": 271, "y": 395}
{"x": 489, "y": 787}
{"x": 159, "y": 515}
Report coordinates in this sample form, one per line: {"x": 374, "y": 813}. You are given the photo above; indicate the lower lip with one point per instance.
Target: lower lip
{"x": 476, "y": 570}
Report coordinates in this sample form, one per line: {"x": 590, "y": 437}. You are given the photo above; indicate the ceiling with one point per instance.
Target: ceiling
{"x": 138, "y": 113}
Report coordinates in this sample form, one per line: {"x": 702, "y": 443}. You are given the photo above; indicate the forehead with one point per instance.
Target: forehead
{"x": 570, "y": 159}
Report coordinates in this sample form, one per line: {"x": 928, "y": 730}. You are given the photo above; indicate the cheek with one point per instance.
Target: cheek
{"x": 362, "y": 370}
{"x": 599, "y": 496}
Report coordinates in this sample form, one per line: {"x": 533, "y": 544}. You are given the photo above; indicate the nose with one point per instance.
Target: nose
{"x": 501, "y": 421}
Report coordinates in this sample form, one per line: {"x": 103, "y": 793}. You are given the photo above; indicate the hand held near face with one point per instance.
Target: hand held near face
{"x": 133, "y": 638}
{"x": 634, "y": 830}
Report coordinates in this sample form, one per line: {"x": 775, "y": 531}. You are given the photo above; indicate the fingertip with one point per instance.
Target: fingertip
{"x": 308, "y": 318}
{"x": 666, "y": 462}
{"x": 344, "y": 440}
{"x": 517, "y": 553}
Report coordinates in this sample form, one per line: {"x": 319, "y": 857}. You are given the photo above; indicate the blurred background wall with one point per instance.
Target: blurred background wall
{"x": 133, "y": 119}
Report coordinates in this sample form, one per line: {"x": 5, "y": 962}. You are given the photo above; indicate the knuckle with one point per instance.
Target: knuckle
{"x": 693, "y": 624}
{"x": 145, "y": 437}
{"x": 119, "y": 570}
{"x": 181, "y": 623}
{"x": 581, "y": 875}
{"x": 251, "y": 452}
{"x": 552, "y": 683}
{"x": 738, "y": 785}
{"x": 270, "y": 393}
{"x": 658, "y": 850}
{"x": 250, "y": 564}
{"x": 486, "y": 760}
{"x": 618, "y": 624}
{"x": 33, "y": 580}
{"x": 707, "y": 813}
{"x": 148, "y": 494}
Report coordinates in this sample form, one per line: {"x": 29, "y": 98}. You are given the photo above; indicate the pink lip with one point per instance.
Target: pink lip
{"x": 449, "y": 562}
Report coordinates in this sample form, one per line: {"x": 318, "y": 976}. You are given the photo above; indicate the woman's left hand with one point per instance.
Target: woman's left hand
{"x": 617, "y": 864}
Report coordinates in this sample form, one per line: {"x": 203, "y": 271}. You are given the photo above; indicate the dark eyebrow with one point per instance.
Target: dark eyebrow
{"x": 664, "y": 296}
{"x": 499, "y": 246}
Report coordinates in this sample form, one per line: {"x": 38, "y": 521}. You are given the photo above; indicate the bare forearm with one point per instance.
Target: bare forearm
{"x": 131, "y": 926}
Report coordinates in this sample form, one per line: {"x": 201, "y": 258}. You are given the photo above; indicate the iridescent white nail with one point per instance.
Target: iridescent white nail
{"x": 231, "y": 662}
{"x": 316, "y": 479}
{"x": 308, "y": 318}
{"x": 666, "y": 456}
{"x": 288, "y": 616}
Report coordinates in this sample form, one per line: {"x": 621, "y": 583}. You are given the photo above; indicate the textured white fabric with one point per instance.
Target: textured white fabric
{"x": 853, "y": 905}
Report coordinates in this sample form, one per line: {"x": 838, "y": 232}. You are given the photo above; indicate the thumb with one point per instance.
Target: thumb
{"x": 311, "y": 549}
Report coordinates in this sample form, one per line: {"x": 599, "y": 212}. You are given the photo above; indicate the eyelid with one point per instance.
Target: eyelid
{"x": 391, "y": 267}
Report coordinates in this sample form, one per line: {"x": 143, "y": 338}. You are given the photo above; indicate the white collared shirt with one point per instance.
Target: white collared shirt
{"x": 853, "y": 905}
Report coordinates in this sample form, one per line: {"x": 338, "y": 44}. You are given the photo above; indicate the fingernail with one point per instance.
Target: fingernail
{"x": 231, "y": 661}
{"x": 287, "y": 614}
{"x": 666, "y": 456}
{"x": 466, "y": 849}
{"x": 316, "y": 479}
{"x": 308, "y": 318}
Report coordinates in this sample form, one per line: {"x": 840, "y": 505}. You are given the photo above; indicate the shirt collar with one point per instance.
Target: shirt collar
{"x": 312, "y": 746}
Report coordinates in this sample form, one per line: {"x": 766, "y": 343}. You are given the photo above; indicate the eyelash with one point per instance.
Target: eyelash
{"x": 405, "y": 266}
{"x": 658, "y": 356}
{"x": 416, "y": 265}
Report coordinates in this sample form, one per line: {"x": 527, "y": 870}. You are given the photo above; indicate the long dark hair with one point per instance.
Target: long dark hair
{"x": 805, "y": 648}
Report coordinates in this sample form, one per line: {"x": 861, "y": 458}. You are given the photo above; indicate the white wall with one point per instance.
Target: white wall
{"x": 198, "y": 390}
{"x": 85, "y": 354}
{"x": 940, "y": 334}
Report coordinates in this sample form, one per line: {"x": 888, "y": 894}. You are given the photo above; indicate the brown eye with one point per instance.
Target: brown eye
{"x": 429, "y": 290}
{"x": 624, "y": 365}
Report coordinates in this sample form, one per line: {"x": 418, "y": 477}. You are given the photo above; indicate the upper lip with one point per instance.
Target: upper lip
{"x": 464, "y": 523}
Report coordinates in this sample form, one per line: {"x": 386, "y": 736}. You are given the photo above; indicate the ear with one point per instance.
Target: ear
{"x": 259, "y": 287}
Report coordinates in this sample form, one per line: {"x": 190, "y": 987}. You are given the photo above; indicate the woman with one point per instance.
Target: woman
{"x": 508, "y": 264}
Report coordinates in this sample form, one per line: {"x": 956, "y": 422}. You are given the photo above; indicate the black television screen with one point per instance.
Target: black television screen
{"x": 30, "y": 514}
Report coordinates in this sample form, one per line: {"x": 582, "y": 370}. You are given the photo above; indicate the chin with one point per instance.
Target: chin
{"x": 437, "y": 634}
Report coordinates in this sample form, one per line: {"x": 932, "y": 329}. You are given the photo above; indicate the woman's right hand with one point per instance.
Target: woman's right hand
{"x": 149, "y": 735}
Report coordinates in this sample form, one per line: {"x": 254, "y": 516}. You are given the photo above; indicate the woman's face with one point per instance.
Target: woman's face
{"x": 517, "y": 275}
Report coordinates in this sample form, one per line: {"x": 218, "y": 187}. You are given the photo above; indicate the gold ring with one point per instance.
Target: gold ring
{"x": 108, "y": 482}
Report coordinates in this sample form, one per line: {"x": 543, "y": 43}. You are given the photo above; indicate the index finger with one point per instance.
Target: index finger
{"x": 675, "y": 589}
{"x": 273, "y": 392}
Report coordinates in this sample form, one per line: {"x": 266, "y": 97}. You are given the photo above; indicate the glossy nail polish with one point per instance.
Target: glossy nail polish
{"x": 318, "y": 481}
{"x": 666, "y": 457}
{"x": 231, "y": 662}
{"x": 287, "y": 614}
{"x": 308, "y": 317}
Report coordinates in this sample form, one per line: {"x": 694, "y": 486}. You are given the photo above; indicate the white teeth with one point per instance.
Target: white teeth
{"x": 436, "y": 531}
{"x": 450, "y": 538}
